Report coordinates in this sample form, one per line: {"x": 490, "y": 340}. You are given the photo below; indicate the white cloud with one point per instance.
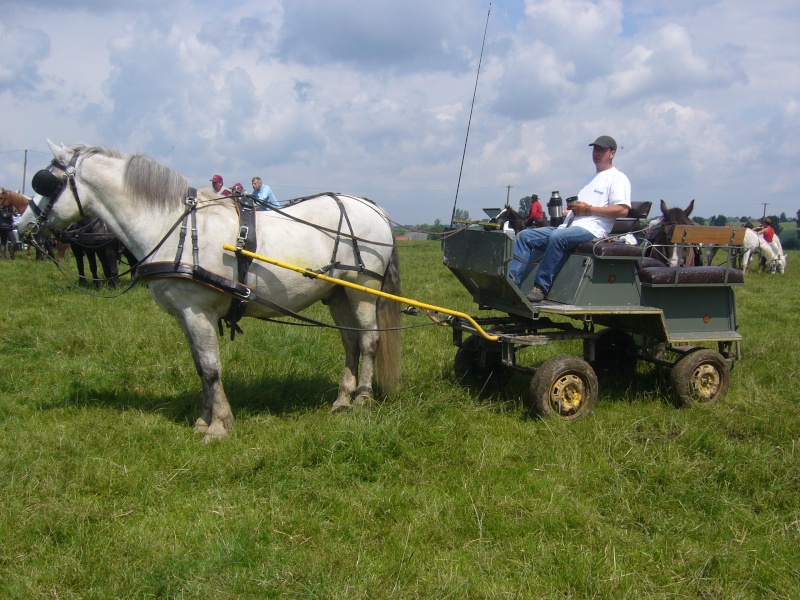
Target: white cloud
{"x": 374, "y": 98}
{"x": 667, "y": 64}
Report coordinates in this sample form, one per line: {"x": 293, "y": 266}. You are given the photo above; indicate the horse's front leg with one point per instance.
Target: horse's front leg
{"x": 216, "y": 418}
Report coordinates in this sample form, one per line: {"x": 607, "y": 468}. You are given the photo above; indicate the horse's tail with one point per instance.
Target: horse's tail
{"x": 388, "y": 356}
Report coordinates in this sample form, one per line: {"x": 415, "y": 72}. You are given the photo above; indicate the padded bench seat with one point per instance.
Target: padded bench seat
{"x": 605, "y": 248}
{"x": 698, "y": 275}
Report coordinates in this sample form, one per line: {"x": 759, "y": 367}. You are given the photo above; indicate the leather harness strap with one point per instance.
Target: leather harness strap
{"x": 246, "y": 240}
{"x": 239, "y": 290}
{"x": 334, "y": 264}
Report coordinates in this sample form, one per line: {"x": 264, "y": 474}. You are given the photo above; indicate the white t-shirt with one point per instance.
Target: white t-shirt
{"x": 604, "y": 188}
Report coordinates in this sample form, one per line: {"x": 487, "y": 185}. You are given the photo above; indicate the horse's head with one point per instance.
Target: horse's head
{"x": 58, "y": 201}
{"x": 659, "y": 232}
{"x": 677, "y": 216}
{"x": 512, "y": 217}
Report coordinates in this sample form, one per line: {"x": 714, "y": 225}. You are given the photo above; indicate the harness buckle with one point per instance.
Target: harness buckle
{"x": 190, "y": 201}
{"x": 244, "y": 231}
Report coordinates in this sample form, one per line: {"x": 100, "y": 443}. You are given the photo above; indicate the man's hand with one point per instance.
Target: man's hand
{"x": 580, "y": 209}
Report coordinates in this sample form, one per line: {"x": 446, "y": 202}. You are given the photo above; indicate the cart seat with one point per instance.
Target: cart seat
{"x": 689, "y": 275}
{"x": 623, "y": 225}
{"x": 608, "y": 248}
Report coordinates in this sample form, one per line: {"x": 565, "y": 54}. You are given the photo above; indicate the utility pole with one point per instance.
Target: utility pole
{"x": 764, "y": 216}
{"x": 24, "y": 171}
{"x": 508, "y": 194}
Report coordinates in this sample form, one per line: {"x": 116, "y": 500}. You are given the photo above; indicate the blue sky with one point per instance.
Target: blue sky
{"x": 373, "y": 98}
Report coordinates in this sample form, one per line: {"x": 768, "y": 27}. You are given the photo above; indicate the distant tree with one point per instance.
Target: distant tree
{"x": 783, "y": 218}
{"x": 460, "y": 215}
{"x": 700, "y": 220}
{"x": 525, "y": 206}
{"x": 438, "y": 227}
{"x": 718, "y": 221}
{"x": 797, "y": 216}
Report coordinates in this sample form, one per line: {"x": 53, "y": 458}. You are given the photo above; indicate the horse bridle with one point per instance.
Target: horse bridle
{"x": 49, "y": 186}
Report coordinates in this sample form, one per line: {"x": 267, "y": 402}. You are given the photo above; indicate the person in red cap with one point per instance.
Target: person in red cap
{"x": 216, "y": 183}
{"x": 237, "y": 187}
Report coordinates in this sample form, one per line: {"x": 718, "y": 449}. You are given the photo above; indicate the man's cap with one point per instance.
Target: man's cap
{"x": 605, "y": 141}
{"x": 534, "y": 197}
{"x": 216, "y": 179}
{"x": 237, "y": 186}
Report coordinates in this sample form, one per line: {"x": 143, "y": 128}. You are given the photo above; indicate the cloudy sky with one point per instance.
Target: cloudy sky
{"x": 373, "y": 97}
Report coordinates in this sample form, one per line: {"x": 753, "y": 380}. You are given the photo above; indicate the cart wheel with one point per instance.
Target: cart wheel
{"x": 616, "y": 354}
{"x": 564, "y": 387}
{"x": 700, "y": 378}
{"x": 468, "y": 368}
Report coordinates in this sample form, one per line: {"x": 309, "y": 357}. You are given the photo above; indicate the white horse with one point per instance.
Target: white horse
{"x": 753, "y": 244}
{"x": 778, "y": 263}
{"x": 141, "y": 201}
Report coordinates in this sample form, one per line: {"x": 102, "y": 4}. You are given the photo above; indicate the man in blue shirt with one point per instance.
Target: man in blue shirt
{"x": 264, "y": 193}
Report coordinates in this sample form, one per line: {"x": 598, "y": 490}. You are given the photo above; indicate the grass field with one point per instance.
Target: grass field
{"x": 439, "y": 492}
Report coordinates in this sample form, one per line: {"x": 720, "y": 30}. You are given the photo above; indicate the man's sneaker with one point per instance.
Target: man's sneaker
{"x": 536, "y": 294}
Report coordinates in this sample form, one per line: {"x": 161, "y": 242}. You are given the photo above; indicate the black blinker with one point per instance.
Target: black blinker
{"x": 45, "y": 183}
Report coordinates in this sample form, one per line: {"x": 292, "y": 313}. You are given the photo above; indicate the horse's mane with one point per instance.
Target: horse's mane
{"x": 144, "y": 179}
{"x": 154, "y": 183}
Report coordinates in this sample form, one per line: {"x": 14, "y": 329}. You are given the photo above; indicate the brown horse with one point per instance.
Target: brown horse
{"x": 20, "y": 203}
{"x": 659, "y": 234}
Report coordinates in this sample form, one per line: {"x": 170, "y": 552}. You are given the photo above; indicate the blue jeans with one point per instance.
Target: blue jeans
{"x": 551, "y": 245}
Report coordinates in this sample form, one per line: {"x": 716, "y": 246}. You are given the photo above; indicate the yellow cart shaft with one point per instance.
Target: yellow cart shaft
{"x": 361, "y": 288}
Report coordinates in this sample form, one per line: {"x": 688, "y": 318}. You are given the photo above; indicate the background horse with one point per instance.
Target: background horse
{"x": 753, "y": 244}
{"x": 44, "y": 240}
{"x": 659, "y": 237}
{"x": 89, "y": 238}
{"x": 143, "y": 203}
{"x": 508, "y": 215}
{"x": 778, "y": 263}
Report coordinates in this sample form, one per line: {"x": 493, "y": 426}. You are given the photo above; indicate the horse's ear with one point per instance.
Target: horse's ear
{"x": 664, "y": 208}
{"x": 61, "y": 154}
{"x": 689, "y": 208}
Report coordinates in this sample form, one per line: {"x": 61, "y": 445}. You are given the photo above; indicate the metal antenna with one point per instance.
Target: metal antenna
{"x": 469, "y": 123}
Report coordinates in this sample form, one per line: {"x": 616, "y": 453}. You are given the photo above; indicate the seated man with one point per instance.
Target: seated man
{"x": 604, "y": 197}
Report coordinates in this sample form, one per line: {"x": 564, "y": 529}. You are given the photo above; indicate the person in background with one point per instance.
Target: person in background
{"x": 237, "y": 187}
{"x": 264, "y": 194}
{"x": 6, "y": 230}
{"x": 605, "y": 196}
{"x": 766, "y": 230}
{"x": 219, "y": 187}
{"x": 536, "y": 214}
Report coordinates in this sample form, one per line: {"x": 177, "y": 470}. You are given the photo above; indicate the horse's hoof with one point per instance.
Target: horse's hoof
{"x": 200, "y": 426}
{"x": 340, "y": 406}
{"x": 364, "y": 401}
{"x": 215, "y": 432}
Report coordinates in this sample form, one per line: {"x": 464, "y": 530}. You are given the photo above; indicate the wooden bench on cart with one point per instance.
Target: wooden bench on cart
{"x": 653, "y": 273}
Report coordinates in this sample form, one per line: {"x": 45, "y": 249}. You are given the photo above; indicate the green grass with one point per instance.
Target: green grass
{"x": 438, "y": 492}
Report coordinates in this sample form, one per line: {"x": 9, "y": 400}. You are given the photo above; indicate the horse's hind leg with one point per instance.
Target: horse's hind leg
{"x": 357, "y": 310}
